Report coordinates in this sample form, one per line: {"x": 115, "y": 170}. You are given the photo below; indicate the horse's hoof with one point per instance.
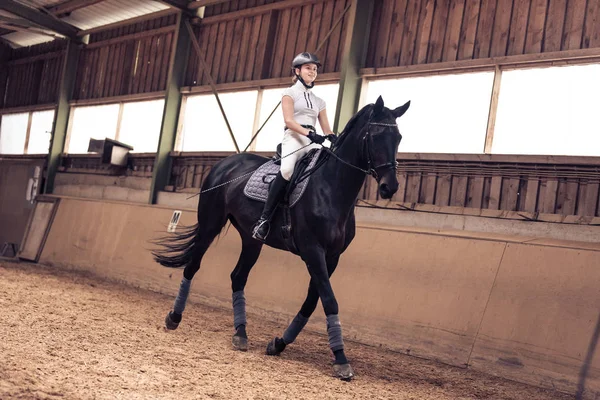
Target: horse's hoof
{"x": 272, "y": 348}
{"x": 169, "y": 323}
{"x": 343, "y": 371}
{"x": 239, "y": 343}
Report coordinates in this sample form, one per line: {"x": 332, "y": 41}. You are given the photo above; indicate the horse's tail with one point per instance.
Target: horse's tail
{"x": 178, "y": 249}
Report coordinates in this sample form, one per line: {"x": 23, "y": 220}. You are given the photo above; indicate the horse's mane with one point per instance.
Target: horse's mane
{"x": 351, "y": 124}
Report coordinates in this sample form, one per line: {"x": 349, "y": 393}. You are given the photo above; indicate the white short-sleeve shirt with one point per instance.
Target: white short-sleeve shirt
{"x": 307, "y": 105}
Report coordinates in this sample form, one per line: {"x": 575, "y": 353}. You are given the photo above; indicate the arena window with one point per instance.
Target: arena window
{"x": 204, "y": 128}
{"x": 136, "y": 124}
{"x": 549, "y": 111}
{"x": 26, "y": 133}
{"x": 448, "y": 113}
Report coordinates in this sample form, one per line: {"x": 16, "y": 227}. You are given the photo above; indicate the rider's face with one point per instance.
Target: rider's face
{"x": 308, "y": 72}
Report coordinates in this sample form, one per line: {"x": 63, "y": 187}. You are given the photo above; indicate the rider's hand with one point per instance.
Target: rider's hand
{"x": 331, "y": 137}
{"x": 315, "y": 138}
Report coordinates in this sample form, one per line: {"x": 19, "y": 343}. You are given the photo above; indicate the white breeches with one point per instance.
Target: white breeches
{"x": 291, "y": 142}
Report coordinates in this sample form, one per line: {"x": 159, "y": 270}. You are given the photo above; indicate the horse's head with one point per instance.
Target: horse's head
{"x": 381, "y": 142}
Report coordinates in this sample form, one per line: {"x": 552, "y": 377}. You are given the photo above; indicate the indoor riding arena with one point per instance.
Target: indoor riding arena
{"x": 442, "y": 157}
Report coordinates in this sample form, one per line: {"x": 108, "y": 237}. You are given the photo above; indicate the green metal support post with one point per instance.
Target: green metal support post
{"x": 168, "y": 132}
{"x": 355, "y": 52}
{"x": 61, "y": 118}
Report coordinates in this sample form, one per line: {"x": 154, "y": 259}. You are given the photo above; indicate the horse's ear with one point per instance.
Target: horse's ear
{"x": 378, "y": 108}
{"x": 398, "y": 112}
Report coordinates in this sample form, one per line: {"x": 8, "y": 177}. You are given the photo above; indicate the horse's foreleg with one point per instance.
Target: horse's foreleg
{"x": 239, "y": 276}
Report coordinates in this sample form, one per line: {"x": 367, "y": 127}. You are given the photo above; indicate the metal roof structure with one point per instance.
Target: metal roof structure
{"x": 30, "y": 22}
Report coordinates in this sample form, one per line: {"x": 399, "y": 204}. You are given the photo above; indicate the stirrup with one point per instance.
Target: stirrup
{"x": 259, "y": 224}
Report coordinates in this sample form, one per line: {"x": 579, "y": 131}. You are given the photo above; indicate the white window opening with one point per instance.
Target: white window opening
{"x": 13, "y": 133}
{"x": 140, "y": 125}
{"x": 549, "y": 111}
{"x": 204, "y": 127}
{"x": 272, "y": 133}
{"x": 40, "y": 132}
{"x": 448, "y": 113}
{"x": 93, "y": 122}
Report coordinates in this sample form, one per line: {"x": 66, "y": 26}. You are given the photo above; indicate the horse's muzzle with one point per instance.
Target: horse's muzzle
{"x": 388, "y": 184}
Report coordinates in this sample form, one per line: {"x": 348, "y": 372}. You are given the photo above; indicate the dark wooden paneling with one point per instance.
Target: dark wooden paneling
{"x": 438, "y": 31}
{"x": 453, "y": 31}
{"x": 518, "y": 27}
{"x": 501, "y": 29}
{"x": 485, "y": 26}
{"x": 468, "y": 31}
{"x": 423, "y": 32}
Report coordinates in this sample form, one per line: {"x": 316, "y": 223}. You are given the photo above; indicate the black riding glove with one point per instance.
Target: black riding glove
{"x": 312, "y": 135}
{"x": 331, "y": 137}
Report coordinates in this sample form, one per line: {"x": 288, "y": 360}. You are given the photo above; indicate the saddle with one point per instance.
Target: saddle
{"x": 259, "y": 183}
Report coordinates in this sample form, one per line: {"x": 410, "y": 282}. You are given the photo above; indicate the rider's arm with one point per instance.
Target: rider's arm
{"x": 324, "y": 122}
{"x": 287, "y": 104}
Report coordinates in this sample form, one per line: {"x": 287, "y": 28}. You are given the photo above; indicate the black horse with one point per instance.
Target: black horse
{"x": 322, "y": 223}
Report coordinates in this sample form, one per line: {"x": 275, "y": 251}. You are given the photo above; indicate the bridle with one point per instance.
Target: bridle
{"x": 371, "y": 170}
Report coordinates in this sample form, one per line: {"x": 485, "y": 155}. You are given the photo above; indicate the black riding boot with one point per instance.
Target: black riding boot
{"x": 276, "y": 193}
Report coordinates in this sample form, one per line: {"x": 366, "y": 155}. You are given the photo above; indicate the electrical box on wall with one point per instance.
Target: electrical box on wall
{"x": 113, "y": 152}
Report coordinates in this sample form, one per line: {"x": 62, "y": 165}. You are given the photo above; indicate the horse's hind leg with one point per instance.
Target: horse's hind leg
{"x": 239, "y": 276}
{"x": 208, "y": 228}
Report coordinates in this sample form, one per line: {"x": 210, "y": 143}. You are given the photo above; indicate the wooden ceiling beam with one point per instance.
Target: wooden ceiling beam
{"x": 70, "y": 6}
{"x": 194, "y": 5}
{"x": 47, "y": 21}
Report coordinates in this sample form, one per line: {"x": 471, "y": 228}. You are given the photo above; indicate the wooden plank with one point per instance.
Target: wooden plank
{"x": 94, "y": 73}
{"x": 226, "y": 55}
{"x": 396, "y": 35}
{"x": 428, "y": 186}
{"x": 536, "y": 26}
{"x": 189, "y": 178}
{"x": 266, "y": 40}
{"x": 400, "y": 194}
{"x": 588, "y": 198}
{"x": 143, "y": 64}
{"x": 485, "y": 26}
{"x": 259, "y": 10}
{"x": 410, "y": 32}
{"x": 489, "y": 133}
{"x": 573, "y": 31}
{"x": 495, "y": 193}
{"x": 234, "y": 56}
{"x": 280, "y": 43}
{"x": 342, "y": 29}
{"x": 374, "y": 34}
{"x": 160, "y": 48}
{"x": 531, "y": 195}
{"x": 121, "y": 65}
{"x": 220, "y": 44}
{"x": 501, "y": 28}
{"x": 128, "y": 22}
{"x": 453, "y": 31}
{"x": 384, "y": 33}
{"x": 591, "y": 29}
{"x": 510, "y": 194}
{"x": 548, "y": 204}
{"x": 258, "y": 26}
{"x": 132, "y": 36}
{"x": 555, "y": 22}
{"x": 518, "y": 27}
{"x": 424, "y": 32}
{"x": 313, "y": 33}
{"x": 458, "y": 195}
{"x": 290, "y": 44}
{"x": 305, "y": 29}
{"x": 442, "y": 193}
{"x": 413, "y": 188}
{"x": 571, "y": 198}
{"x": 136, "y": 67}
{"x": 438, "y": 31}
{"x": 152, "y": 63}
{"x": 212, "y": 48}
{"x": 244, "y": 50}
{"x": 475, "y": 192}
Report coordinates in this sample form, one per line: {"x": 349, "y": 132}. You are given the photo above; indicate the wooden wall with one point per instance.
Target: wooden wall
{"x": 31, "y": 75}
{"x": 242, "y": 45}
{"x": 235, "y": 5}
{"x": 412, "y": 32}
{"x": 130, "y": 59}
{"x": 566, "y": 186}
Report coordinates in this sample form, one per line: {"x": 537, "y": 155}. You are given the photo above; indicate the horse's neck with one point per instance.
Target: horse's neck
{"x": 347, "y": 181}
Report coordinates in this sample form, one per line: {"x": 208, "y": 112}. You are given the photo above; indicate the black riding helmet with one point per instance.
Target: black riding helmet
{"x": 300, "y": 60}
